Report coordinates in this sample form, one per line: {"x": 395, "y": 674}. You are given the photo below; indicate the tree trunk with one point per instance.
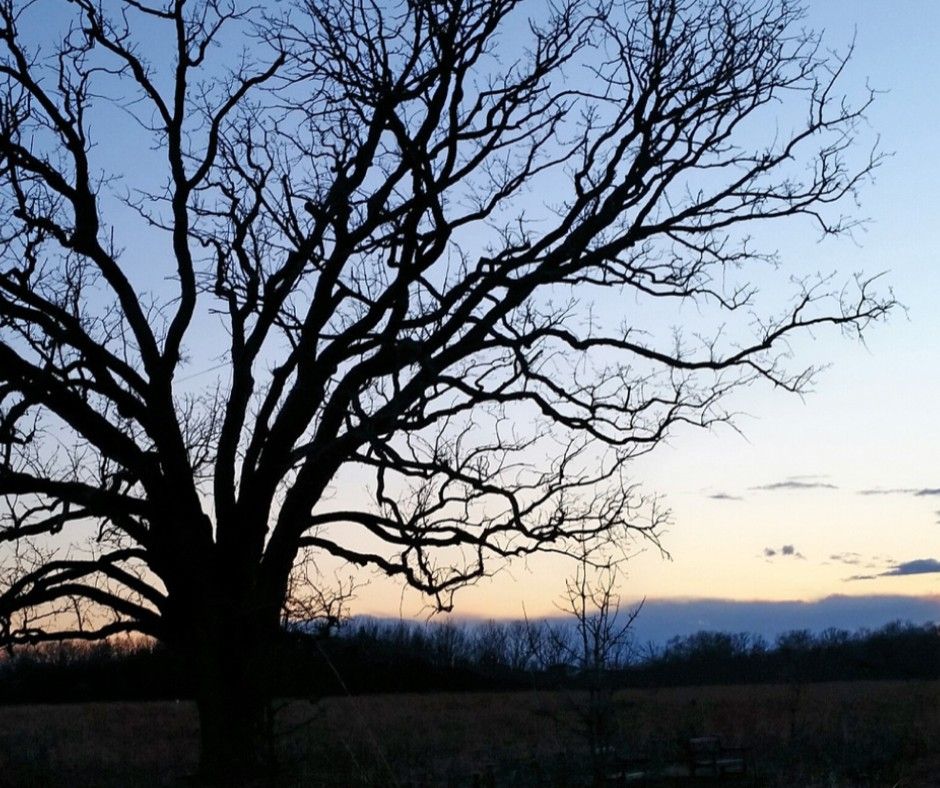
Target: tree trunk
{"x": 232, "y": 705}
{"x": 230, "y": 741}
{"x": 231, "y": 656}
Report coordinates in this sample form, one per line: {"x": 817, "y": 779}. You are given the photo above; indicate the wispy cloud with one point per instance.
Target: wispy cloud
{"x": 723, "y": 496}
{"x": 917, "y": 492}
{"x": 797, "y": 483}
{"x": 919, "y": 566}
{"x": 852, "y": 559}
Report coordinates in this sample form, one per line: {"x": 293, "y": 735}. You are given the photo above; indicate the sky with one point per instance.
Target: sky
{"x": 835, "y": 494}
{"x": 826, "y": 507}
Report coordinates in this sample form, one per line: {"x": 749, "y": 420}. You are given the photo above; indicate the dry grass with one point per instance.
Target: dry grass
{"x": 853, "y": 734}
{"x": 100, "y": 744}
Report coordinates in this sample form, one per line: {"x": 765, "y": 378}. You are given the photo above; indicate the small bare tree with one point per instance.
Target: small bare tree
{"x": 604, "y": 631}
{"x": 395, "y": 230}
{"x": 602, "y": 646}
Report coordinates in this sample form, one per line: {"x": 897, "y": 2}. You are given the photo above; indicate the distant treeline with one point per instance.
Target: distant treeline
{"x": 369, "y": 656}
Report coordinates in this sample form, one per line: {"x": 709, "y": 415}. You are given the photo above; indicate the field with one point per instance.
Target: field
{"x": 848, "y": 734}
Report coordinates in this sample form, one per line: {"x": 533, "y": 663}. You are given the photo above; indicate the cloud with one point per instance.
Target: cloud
{"x": 662, "y": 619}
{"x": 786, "y": 551}
{"x": 852, "y": 559}
{"x": 917, "y": 492}
{"x": 723, "y": 496}
{"x": 919, "y": 566}
{"x": 797, "y": 483}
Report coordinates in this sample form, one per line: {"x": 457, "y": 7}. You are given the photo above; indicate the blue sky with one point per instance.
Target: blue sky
{"x": 834, "y": 493}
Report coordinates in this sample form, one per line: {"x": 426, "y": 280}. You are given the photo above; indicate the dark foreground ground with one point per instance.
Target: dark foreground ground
{"x": 847, "y": 734}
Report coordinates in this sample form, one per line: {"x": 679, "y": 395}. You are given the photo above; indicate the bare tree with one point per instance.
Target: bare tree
{"x": 394, "y": 225}
{"x": 603, "y": 631}
{"x": 601, "y": 646}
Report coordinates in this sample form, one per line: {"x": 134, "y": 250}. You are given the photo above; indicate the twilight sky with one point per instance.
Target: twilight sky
{"x": 837, "y": 493}
{"x": 833, "y": 495}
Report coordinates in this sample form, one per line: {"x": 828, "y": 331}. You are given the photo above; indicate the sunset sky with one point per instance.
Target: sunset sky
{"x": 837, "y": 493}
{"x": 833, "y": 494}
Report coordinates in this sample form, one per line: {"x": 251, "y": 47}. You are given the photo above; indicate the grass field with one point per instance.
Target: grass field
{"x": 851, "y": 734}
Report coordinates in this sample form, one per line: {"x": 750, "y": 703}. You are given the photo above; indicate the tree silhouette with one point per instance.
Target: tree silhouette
{"x": 602, "y": 644}
{"x": 428, "y": 250}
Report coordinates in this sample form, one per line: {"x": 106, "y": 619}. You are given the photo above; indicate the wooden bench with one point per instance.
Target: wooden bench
{"x": 708, "y": 757}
